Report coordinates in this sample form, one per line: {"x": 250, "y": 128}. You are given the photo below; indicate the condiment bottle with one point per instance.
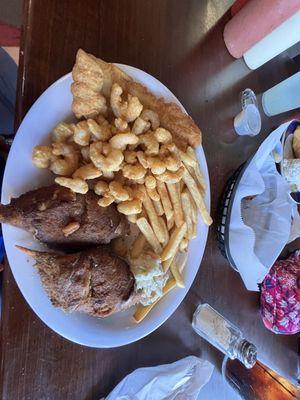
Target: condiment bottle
{"x": 259, "y": 382}
{"x": 284, "y": 96}
{"x": 222, "y": 334}
{"x": 255, "y": 20}
{"x": 280, "y": 39}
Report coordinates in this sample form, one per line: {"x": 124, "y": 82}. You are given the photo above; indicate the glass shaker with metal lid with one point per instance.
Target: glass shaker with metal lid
{"x": 222, "y": 334}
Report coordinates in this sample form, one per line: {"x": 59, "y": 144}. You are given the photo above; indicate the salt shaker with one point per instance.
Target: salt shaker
{"x": 222, "y": 334}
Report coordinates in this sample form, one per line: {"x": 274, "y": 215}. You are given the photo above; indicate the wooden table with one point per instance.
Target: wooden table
{"x": 180, "y": 43}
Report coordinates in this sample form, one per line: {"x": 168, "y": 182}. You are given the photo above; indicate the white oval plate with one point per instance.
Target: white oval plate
{"x": 53, "y": 106}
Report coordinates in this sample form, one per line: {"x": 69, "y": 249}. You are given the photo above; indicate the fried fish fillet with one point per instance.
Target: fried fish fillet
{"x": 93, "y": 281}
{"x": 52, "y": 213}
{"x": 94, "y": 77}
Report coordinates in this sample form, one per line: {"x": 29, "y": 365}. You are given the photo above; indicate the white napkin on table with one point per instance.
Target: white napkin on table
{"x": 181, "y": 380}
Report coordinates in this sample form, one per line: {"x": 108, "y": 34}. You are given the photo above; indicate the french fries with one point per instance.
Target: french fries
{"x": 199, "y": 176}
{"x": 183, "y": 245}
{"x": 194, "y": 217}
{"x": 153, "y": 218}
{"x": 132, "y": 218}
{"x": 142, "y": 311}
{"x": 182, "y": 262}
{"x": 170, "y": 223}
{"x": 187, "y": 211}
{"x": 188, "y": 159}
{"x": 165, "y": 229}
{"x": 152, "y": 193}
{"x": 166, "y": 203}
{"x": 138, "y": 246}
{"x": 158, "y": 207}
{"x": 173, "y": 244}
{"x": 150, "y": 236}
{"x": 192, "y": 173}
{"x": 175, "y": 198}
{"x": 193, "y": 188}
{"x": 181, "y": 186}
{"x": 167, "y": 263}
{"x": 177, "y": 274}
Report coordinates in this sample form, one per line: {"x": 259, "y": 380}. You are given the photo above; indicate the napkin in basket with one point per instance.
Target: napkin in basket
{"x": 264, "y": 216}
{"x": 181, "y": 380}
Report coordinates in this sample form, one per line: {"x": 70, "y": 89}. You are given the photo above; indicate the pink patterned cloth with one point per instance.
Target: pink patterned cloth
{"x": 280, "y": 296}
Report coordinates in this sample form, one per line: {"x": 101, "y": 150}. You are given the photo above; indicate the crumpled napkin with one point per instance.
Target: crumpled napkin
{"x": 181, "y": 380}
{"x": 261, "y": 226}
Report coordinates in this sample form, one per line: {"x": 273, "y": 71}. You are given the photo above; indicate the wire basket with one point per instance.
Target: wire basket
{"x": 224, "y": 212}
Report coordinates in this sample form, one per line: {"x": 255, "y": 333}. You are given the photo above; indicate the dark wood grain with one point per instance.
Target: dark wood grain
{"x": 180, "y": 43}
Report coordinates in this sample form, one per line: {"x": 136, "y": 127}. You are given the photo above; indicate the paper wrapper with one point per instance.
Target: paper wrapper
{"x": 264, "y": 217}
{"x": 181, "y": 380}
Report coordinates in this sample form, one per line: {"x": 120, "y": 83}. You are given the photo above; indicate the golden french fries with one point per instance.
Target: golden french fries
{"x": 193, "y": 175}
{"x": 193, "y": 188}
{"x": 174, "y": 242}
{"x": 176, "y": 201}
{"x": 170, "y": 223}
{"x": 150, "y": 236}
{"x": 181, "y": 186}
{"x": 165, "y": 229}
{"x": 188, "y": 159}
{"x": 166, "y": 203}
{"x": 167, "y": 263}
{"x": 132, "y": 218}
{"x": 138, "y": 246}
{"x": 183, "y": 245}
{"x": 198, "y": 174}
{"x": 177, "y": 274}
{"x": 181, "y": 262}
{"x": 187, "y": 211}
{"x": 152, "y": 193}
{"x": 153, "y": 218}
{"x": 142, "y": 311}
{"x": 194, "y": 216}
{"x": 158, "y": 207}
{"x": 199, "y": 177}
